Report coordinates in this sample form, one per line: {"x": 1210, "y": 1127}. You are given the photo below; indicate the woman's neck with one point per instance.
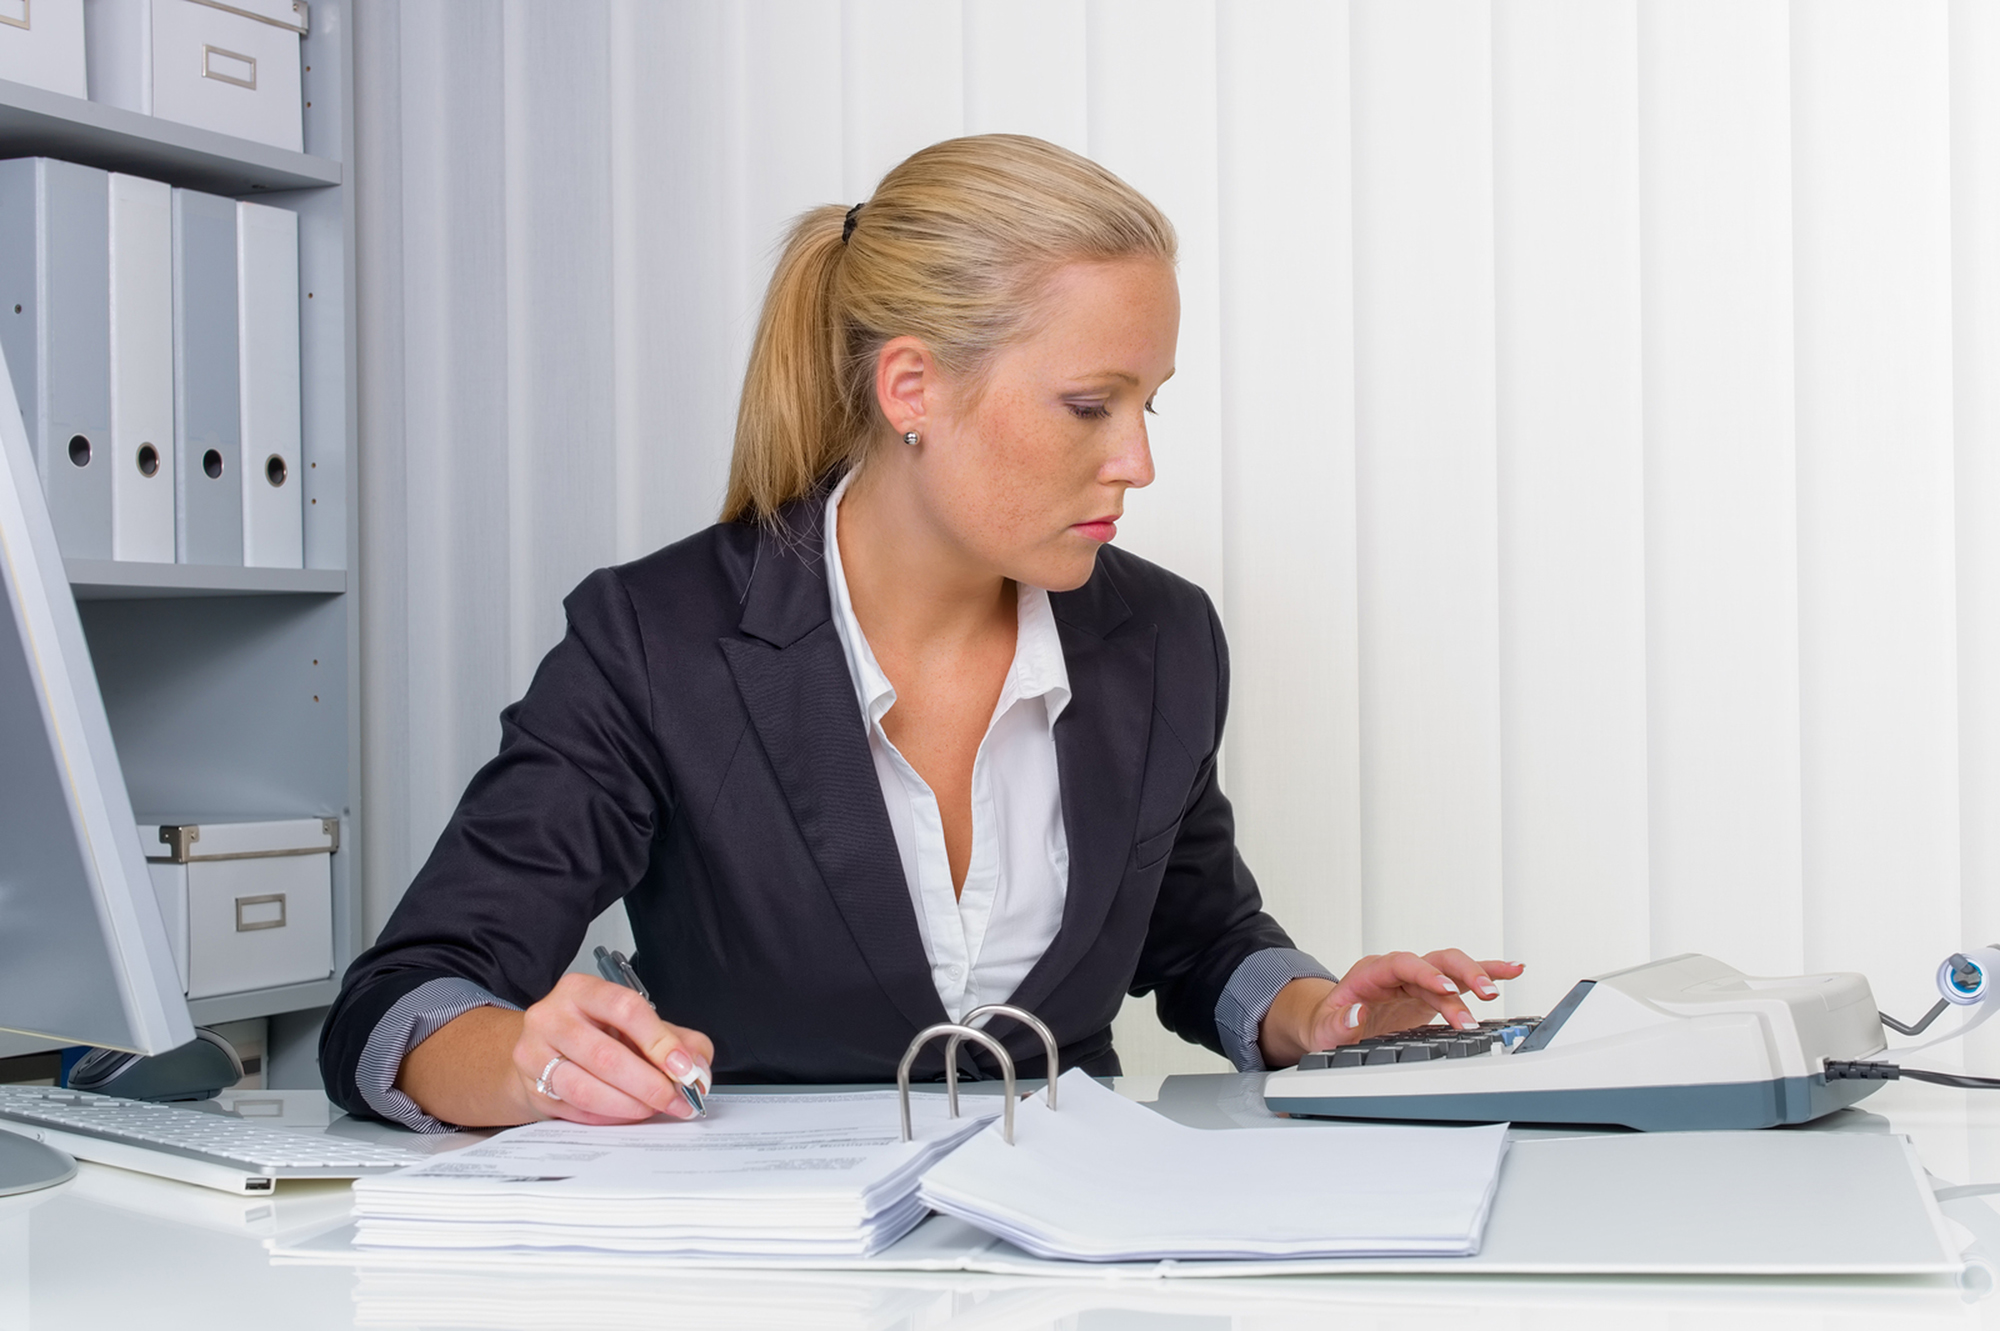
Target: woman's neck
{"x": 916, "y": 592}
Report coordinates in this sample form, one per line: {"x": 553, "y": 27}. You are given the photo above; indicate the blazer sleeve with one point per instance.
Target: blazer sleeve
{"x": 1209, "y": 916}
{"x": 557, "y": 827}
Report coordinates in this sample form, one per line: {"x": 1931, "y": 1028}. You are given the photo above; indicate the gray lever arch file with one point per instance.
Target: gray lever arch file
{"x": 55, "y": 326}
{"x": 267, "y": 273}
{"x": 208, "y": 431}
{"x": 142, "y": 370}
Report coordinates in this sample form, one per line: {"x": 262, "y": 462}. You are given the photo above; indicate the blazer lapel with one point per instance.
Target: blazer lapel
{"x": 794, "y": 682}
{"x": 1101, "y": 742}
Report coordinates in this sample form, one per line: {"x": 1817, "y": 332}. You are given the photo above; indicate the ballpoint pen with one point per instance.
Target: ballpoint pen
{"x": 614, "y": 967}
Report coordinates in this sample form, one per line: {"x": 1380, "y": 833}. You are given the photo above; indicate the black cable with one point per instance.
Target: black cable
{"x": 1952, "y": 1079}
{"x": 1922, "y": 1023}
{"x": 1844, "y": 1070}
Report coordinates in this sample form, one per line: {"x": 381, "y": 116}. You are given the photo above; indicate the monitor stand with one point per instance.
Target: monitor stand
{"x": 26, "y": 1165}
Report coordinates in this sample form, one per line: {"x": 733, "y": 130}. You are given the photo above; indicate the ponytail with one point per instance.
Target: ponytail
{"x": 791, "y": 426}
{"x": 951, "y": 249}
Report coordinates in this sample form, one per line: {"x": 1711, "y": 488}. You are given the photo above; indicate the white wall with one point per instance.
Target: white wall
{"x": 1588, "y": 418}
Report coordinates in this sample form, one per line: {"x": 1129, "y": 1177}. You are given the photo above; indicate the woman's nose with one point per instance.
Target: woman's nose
{"x": 1132, "y": 464}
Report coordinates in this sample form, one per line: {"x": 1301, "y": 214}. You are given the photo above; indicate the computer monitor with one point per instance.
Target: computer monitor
{"x": 84, "y": 957}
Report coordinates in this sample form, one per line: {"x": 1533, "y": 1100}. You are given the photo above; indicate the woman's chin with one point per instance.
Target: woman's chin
{"x": 1063, "y": 574}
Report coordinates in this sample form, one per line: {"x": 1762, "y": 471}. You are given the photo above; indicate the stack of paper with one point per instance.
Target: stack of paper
{"x": 766, "y": 1175}
{"x": 1105, "y": 1180}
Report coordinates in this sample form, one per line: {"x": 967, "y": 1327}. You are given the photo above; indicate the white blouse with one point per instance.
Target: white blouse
{"x": 984, "y": 941}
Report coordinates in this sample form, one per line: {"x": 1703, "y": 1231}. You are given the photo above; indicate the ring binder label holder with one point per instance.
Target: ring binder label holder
{"x": 960, "y": 1032}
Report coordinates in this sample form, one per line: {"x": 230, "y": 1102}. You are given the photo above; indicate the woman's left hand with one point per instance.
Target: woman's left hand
{"x": 1392, "y": 992}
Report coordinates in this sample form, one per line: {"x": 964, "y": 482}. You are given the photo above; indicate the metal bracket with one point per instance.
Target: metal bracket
{"x": 180, "y": 840}
{"x": 299, "y": 8}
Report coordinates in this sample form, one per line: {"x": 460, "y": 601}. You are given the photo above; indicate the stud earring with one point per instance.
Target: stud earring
{"x": 912, "y": 438}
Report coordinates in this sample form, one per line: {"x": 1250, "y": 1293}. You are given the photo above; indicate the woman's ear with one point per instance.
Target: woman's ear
{"x": 906, "y": 383}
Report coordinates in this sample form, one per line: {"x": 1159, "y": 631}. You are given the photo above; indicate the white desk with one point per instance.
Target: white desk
{"x": 113, "y": 1249}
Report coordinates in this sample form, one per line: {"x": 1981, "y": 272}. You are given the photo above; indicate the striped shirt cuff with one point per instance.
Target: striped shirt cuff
{"x": 416, "y": 1018}
{"x": 1239, "y": 1013}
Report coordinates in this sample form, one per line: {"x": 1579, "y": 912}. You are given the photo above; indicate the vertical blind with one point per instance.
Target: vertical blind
{"x": 1587, "y": 419}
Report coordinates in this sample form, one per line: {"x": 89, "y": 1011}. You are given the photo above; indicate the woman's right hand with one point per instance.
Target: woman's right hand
{"x": 620, "y": 1062}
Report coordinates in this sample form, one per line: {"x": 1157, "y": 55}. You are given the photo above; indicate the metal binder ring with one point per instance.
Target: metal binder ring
{"x": 957, "y": 1032}
{"x": 1026, "y": 1018}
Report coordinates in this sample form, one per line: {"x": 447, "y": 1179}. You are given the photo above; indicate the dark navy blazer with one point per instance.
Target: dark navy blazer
{"x": 694, "y": 746}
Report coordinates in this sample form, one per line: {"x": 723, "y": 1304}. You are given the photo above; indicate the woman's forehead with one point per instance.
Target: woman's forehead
{"x": 1110, "y": 319}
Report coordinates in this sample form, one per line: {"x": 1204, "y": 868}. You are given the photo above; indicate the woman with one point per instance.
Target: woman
{"x": 900, "y": 736}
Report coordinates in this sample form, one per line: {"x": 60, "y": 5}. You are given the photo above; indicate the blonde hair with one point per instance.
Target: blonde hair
{"x": 952, "y": 249}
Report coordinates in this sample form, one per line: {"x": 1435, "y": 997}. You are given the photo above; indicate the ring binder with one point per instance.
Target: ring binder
{"x": 959, "y": 1032}
{"x": 1026, "y": 1018}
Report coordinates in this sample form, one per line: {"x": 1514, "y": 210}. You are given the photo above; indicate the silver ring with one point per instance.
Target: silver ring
{"x": 542, "y": 1082}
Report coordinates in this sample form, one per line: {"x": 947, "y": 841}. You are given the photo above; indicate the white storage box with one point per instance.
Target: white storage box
{"x": 231, "y": 67}
{"x": 41, "y": 44}
{"x": 248, "y": 905}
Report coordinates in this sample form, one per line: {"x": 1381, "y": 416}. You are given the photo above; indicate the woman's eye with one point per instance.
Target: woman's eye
{"x": 1149, "y": 408}
{"x": 1089, "y": 411}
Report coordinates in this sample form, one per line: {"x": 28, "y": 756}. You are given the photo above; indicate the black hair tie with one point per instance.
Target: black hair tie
{"x": 847, "y": 231}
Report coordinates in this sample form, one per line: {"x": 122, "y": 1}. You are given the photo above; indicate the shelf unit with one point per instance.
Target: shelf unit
{"x": 234, "y": 692}
{"x": 105, "y": 580}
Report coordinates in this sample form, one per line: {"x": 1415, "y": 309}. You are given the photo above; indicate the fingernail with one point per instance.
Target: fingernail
{"x": 704, "y": 1074}
{"x": 1485, "y": 987}
{"x": 1464, "y": 1021}
{"x": 1352, "y": 1017}
{"x": 679, "y": 1063}
{"x": 1444, "y": 981}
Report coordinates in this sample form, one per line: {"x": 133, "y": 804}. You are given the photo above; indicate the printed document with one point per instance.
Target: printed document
{"x": 815, "y": 1173}
{"x": 1105, "y": 1180}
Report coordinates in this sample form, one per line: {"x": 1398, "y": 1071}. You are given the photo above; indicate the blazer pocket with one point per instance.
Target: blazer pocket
{"x": 1149, "y": 851}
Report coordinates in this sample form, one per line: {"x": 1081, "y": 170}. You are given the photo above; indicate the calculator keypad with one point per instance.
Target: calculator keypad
{"x": 1423, "y": 1044}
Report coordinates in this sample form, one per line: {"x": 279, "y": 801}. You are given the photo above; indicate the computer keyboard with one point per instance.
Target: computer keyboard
{"x": 180, "y": 1142}
{"x": 1682, "y": 1043}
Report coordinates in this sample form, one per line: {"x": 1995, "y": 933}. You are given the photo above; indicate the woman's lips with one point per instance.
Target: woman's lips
{"x": 1099, "y": 529}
